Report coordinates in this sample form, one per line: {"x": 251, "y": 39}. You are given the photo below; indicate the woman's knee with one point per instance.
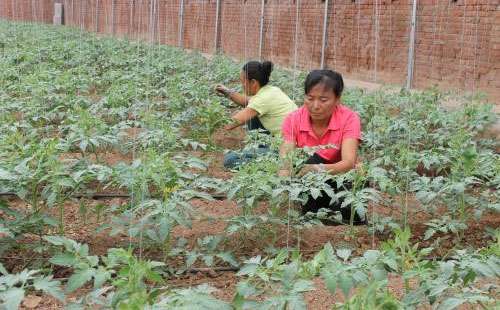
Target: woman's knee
{"x": 232, "y": 160}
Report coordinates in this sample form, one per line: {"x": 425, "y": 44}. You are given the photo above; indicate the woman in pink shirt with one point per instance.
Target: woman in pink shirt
{"x": 324, "y": 121}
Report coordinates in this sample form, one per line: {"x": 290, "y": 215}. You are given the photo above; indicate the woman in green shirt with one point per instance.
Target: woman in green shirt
{"x": 264, "y": 106}
{"x": 263, "y": 103}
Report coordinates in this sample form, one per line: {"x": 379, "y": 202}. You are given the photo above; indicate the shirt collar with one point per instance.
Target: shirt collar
{"x": 305, "y": 121}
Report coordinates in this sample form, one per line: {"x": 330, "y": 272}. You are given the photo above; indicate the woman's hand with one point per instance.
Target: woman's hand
{"x": 223, "y": 90}
{"x": 306, "y": 169}
{"x": 241, "y": 118}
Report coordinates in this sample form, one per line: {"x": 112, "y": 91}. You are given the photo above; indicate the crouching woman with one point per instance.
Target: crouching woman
{"x": 324, "y": 121}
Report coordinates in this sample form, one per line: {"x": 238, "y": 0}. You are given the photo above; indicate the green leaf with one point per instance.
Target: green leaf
{"x": 191, "y": 258}
{"x": 296, "y": 302}
{"x": 155, "y": 264}
{"x": 483, "y": 269}
{"x": 55, "y": 240}
{"x": 3, "y": 270}
{"x": 153, "y": 276}
{"x": 450, "y": 303}
{"x": 84, "y": 251}
{"x": 50, "y": 221}
{"x": 438, "y": 289}
{"x": 100, "y": 277}
{"x": 74, "y": 306}
{"x": 50, "y": 287}
{"x": 228, "y": 258}
{"x": 330, "y": 281}
{"x": 12, "y": 298}
{"x": 78, "y": 279}
{"x": 344, "y": 254}
{"x": 6, "y": 175}
{"x": 328, "y": 250}
{"x": 303, "y": 286}
{"x": 289, "y": 272}
{"x": 208, "y": 260}
{"x": 379, "y": 274}
{"x": 83, "y": 145}
{"x": 202, "y": 195}
{"x": 371, "y": 256}
{"x": 359, "y": 277}
{"x": 345, "y": 284}
{"x": 64, "y": 259}
{"x": 426, "y": 251}
{"x": 469, "y": 277}
{"x": 248, "y": 269}
{"x": 391, "y": 263}
{"x": 315, "y": 193}
{"x": 238, "y": 301}
{"x": 245, "y": 289}
{"x": 93, "y": 260}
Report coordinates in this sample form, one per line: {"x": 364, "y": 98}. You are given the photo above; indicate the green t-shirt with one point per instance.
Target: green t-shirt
{"x": 273, "y": 105}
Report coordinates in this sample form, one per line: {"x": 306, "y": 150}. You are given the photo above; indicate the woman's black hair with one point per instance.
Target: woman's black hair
{"x": 330, "y": 79}
{"x": 259, "y": 71}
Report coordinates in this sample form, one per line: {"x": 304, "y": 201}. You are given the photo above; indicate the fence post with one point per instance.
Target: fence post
{"x": 261, "y": 30}
{"x": 113, "y": 16}
{"x": 181, "y": 24}
{"x": 131, "y": 17}
{"x": 324, "y": 40}
{"x": 97, "y": 16}
{"x": 411, "y": 48}
{"x": 151, "y": 29}
{"x": 81, "y": 16}
{"x": 217, "y": 25}
{"x": 33, "y": 15}
{"x": 157, "y": 22}
{"x": 58, "y": 14}
{"x": 296, "y": 38}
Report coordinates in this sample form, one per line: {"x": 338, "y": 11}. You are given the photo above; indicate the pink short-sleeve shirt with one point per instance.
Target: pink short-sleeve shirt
{"x": 344, "y": 124}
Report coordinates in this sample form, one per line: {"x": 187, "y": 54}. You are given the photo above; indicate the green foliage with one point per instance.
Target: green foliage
{"x": 71, "y": 101}
{"x": 374, "y": 296}
{"x": 197, "y": 298}
{"x": 207, "y": 251}
{"x": 120, "y": 268}
{"x": 14, "y": 286}
{"x": 279, "y": 282}
{"x": 86, "y": 267}
{"x": 15, "y": 224}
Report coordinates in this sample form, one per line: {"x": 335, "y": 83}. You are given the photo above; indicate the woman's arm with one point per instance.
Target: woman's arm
{"x": 241, "y": 118}
{"x": 349, "y": 151}
{"x": 238, "y": 98}
{"x": 234, "y": 96}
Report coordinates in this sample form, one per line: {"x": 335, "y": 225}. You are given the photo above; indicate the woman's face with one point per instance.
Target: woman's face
{"x": 248, "y": 85}
{"x": 320, "y": 103}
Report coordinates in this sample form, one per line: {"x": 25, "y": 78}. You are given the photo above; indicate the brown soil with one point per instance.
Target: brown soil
{"x": 210, "y": 216}
{"x": 81, "y": 224}
{"x": 229, "y": 139}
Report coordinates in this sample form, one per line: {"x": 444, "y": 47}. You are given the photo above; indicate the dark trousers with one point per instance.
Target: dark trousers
{"x": 313, "y": 205}
{"x": 255, "y": 124}
{"x": 233, "y": 160}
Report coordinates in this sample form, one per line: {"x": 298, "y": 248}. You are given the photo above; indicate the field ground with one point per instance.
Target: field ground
{"x": 119, "y": 145}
